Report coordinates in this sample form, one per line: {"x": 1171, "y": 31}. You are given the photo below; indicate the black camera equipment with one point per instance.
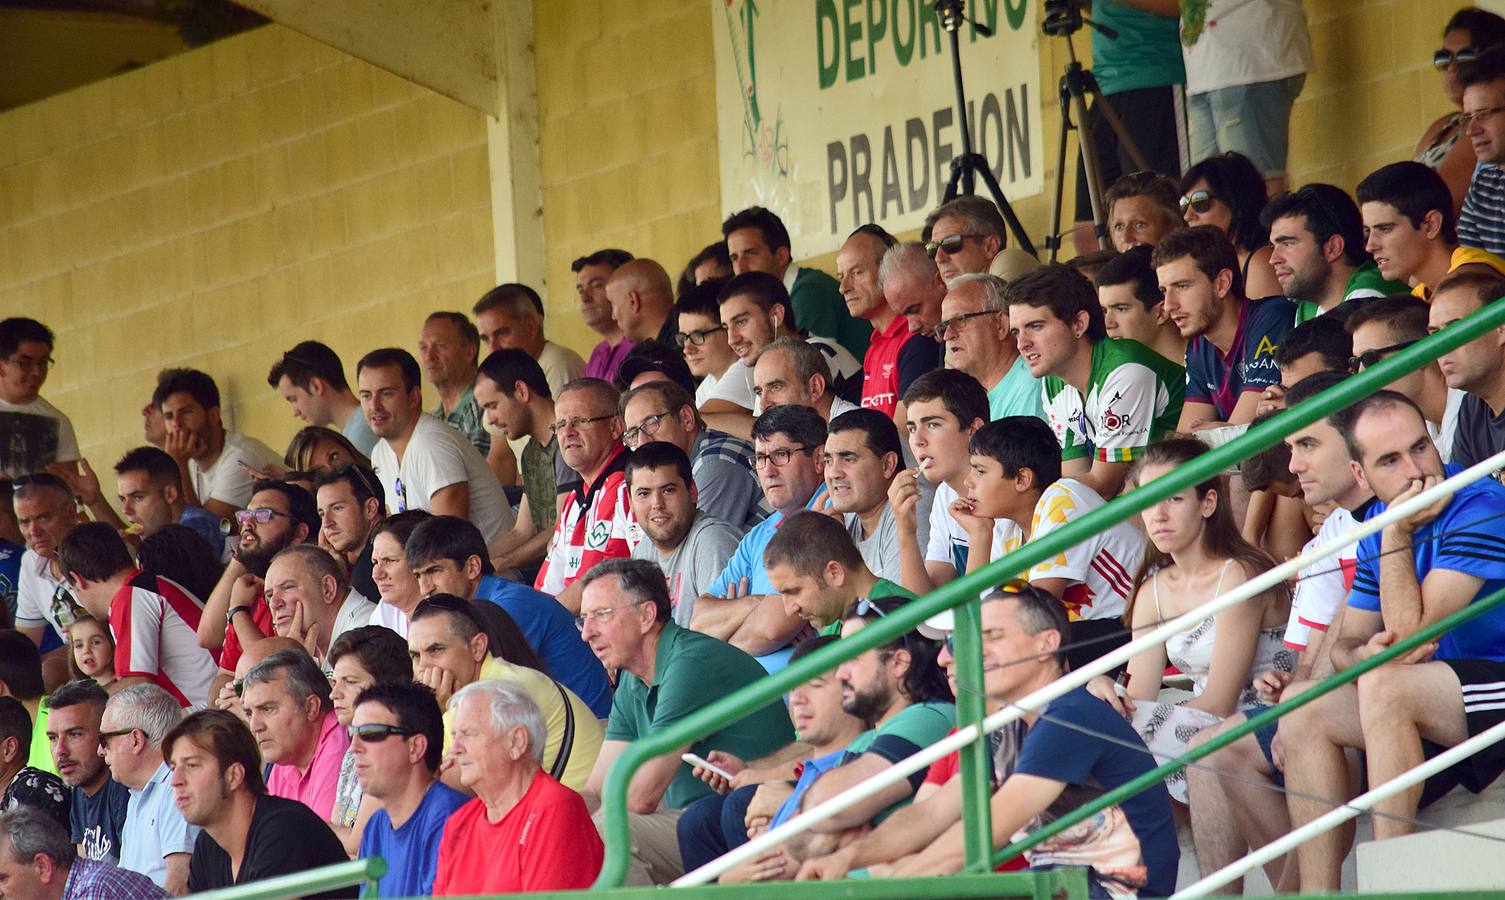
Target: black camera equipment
{"x": 970, "y": 165}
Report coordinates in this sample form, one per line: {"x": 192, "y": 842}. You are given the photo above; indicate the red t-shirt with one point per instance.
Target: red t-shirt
{"x": 880, "y": 366}
{"x": 547, "y": 842}
{"x": 229, "y": 654}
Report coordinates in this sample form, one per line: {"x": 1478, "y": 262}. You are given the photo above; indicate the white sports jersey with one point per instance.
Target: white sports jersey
{"x": 1322, "y": 587}
{"x": 1100, "y": 568}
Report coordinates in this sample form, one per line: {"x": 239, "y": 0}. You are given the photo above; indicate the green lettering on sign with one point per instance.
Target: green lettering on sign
{"x": 851, "y": 35}
{"x": 826, "y": 23}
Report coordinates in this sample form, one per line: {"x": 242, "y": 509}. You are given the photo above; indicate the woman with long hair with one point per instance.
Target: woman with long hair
{"x": 1195, "y": 553}
{"x": 1228, "y": 191}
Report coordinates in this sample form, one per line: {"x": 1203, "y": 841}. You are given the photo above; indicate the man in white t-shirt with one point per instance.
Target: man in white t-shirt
{"x": 44, "y": 511}
{"x": 511, "y": 316}
{"x": 33, "y": 432}
{"x": 312, "y": 601}
{"x": 1016, "y": 475}
{"x": 423, "y": 463}
{"x": 215, "y": 463}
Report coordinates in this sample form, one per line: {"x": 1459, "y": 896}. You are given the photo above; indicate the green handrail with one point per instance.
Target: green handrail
{"x": 1254, "y": 723}
{"x": 768, "y": 690}
{"x": 299, "y": 884}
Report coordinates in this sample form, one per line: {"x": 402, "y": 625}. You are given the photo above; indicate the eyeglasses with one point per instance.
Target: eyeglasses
{"x": 31, "y": 363}
{"x": 599, "y": 616}
{"x": 375, "y": 732}
{"x": 1479, "y": 116}
{"x": 645, "y": 429}
{"x": 949, "y": 244}
{"x": 577, "y": 423}
{"x": 1199, "y": 201}
{"x": 779, "y": 457}
{"x": 1443, "y": 58}
{"x": 865, "y": 606}
{"x": 1369, "y": 357}
{"x": 104, "y": 736}
{"x": 260, "y": 515}
{"x": 945, "y": 325}
{"x": 697, "y": 337}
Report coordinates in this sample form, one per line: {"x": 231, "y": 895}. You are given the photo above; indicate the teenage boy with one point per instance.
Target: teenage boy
{"x": 1411, "y": 230}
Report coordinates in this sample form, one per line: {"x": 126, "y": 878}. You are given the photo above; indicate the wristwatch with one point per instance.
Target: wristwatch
{"x": 230, "y": 616}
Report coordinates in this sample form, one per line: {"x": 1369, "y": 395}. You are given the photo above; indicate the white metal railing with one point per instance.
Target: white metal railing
{"x": 1074, "y": 679}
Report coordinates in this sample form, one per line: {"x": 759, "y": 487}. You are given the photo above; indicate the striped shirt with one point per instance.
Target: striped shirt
{"x": 595, "y": 524}
{"x": 1482, "y": 222}
{"x": 1100, "y": 569}
{"x": 155, "y": 622}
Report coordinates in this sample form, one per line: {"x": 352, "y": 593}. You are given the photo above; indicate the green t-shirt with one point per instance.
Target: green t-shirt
{"x": 913, "y": 727}
{"x": 1133, "y": 399}
{"x": 1146, "y": 54}
{"x": 690, "y": 671}
{"x": 41, "y": 752}
{"x": 820, "y": 310}
{"x": 1365, "y": 283}
{"x": 881, "y": 588}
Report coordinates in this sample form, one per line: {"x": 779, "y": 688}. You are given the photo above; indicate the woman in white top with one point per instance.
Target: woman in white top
{"x": 1195, "y": 553}
{"x": 395, "y": 582}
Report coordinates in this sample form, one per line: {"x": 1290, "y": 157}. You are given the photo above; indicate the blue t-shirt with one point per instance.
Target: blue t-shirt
{"x": 551, "y": 630}
{"x": 412, "y": 851}
{"x": 747, "y": 562}
{"x": 1072, "y": 755}
{"x": 10, "y": 575}
{"x": 1250, "y": 364}
{"x": 98, "y": 821}
{"x": 1465, "y": 537}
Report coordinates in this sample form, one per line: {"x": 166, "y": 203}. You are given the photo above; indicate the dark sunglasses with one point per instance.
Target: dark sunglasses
{"x": 950, "y": 244}
{"x": 104, "y": 736}
{"x": 1441, "y": 59}
{"x": 375, "y": 732}
{"x": 1368, "y": 358}
{"x": 1199, "y": 201}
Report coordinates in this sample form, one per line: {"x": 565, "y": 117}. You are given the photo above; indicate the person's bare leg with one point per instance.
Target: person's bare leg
{"x": 1400, "y": 705}
{"x": 1213, "y": 830}
{"x": 1312, "y": 739}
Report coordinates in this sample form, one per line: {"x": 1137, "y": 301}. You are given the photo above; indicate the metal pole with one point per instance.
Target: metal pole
{"x": 976, "y": 767}
{"x": 1331, "y": 820}
{"x": 967, "y": 182}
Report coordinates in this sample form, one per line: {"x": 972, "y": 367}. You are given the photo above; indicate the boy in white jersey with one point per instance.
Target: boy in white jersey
{"x": 1016, "y": 477}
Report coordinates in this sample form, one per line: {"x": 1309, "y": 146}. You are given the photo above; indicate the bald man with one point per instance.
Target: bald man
{"x": 642, "y": 302}
{"x": 229, "y": 695}
{"x": 311, "y": 599}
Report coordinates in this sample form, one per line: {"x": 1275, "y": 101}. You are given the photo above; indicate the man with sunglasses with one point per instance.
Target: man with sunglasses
{"x": 40, "y": 430}
{"x": 153, "y": 620}
{"x": 894, "y": 358}
{"x": 963, "y": 236}
{"x": 1319, "y": 259}
{"x": 727, "y": 487}
{"x": 757, "y": 241}
{"x": 397, "y": 738}
{"x": 1410, "y": 229}
{"x": 157, "y": 841}
{"x": 595, "y": 519}
{"x": 1477, "y": 368}
{"x": 1480, "y": 224}
{"x": 1384, "y": 327}
{"x": 974, "y": 329}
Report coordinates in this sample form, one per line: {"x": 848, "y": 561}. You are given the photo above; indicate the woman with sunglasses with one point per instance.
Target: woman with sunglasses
{"x": 1195, "y": 554}
{"x": 1228, "y": 191}
{"x": 1443, "y": 147}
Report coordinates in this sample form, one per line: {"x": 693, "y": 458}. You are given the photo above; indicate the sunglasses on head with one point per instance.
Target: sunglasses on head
{"x": 1443, "y": 58}
{"x": 375, "y": 733}
{"x": 1198, "y": 201}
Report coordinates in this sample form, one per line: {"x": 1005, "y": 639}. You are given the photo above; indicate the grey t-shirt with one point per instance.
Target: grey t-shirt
{"x": 695, "y": 564}
{"x": 1479, "y": 433}
{"x": 881, "y": 550}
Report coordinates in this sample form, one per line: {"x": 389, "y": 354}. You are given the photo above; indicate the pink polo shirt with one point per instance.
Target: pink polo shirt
{"x": 316, "y": 787}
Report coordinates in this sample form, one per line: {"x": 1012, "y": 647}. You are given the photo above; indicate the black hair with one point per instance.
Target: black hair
{"x": 1404, "y": 315}
{"x": 1323, "y": 336}
{"x": 158, "y": 466}
{"x": 505, "y": 368}
{"x": 1209, "y": 248}
{"x": 20, "y": 665}
{"x": 362, "y": 480}
{"x": 657, "y": 455}
{"x": 307, "y": 361}
{"x": 1064, "y": 291}
{"x": 763, "y": 289}
{"x": 608, "y": 257}
{"x": 775, "y": 235}
{"x": 654, "y": 356}
{"x": 1485, "y": 29}
{"x": 1132, "y": 267}
{"x": 446, "y": 537}
{"x": 807, "y": 540}
{"x": 179, "y": 554}
{"x": 961, "y": 394}
{"x": 192, "y": 382}
{"x": 925, "y": 681}
{"x": 1234, "y": 179}
{"x": 810, "y": 645}
{"x": 94, "y": 550}
{"x": 381, "y": 651}
{"x": 77, "y": 692}
{"x": 874, "y": 230}
{"x": 700, "y": 299}
{"x": 393, "y": 357}
{"x": 300, "y": 503}
{"x": 18, "y": 330}
{"x": 1414, "y": 191}
{"x": 15, "y": 722}
{"x": 879, "y": 432}
{"x": 1020, "y": 442}
{"x": 416, "y": 710}
{"x": 1328, "y": 211}
{"x": 801, "y": 424}
{"x": 1038, "y": 611}
{"x": 401, "y": 525}
{"x": 716, "y": 253}
{"x": 1312, "y": 385}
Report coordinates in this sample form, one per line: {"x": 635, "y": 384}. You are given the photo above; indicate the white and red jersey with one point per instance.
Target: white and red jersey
{"x": 1322, "y": 587}
{"x": 593, "y": 526}
{"x": 1101, "y": 568}
{"x": 155, "y": 622}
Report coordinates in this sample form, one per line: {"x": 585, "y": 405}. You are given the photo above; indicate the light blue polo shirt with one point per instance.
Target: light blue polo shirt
{"x": 157, "y": 829}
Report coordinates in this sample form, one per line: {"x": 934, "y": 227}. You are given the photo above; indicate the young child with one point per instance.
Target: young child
{"x": 93, "y": 650}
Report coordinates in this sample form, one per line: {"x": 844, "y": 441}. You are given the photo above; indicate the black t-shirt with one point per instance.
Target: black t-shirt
{"x": 360, "y": 575}
{"x": 919, "y": 355}
{"x": 285, "y": 837}
{"x": 1479, "y": 433}
{"x": 97, "y": 821}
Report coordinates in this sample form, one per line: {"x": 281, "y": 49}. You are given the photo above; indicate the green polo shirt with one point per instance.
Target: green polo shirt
{"x": 881, "y": 588}
{"x": 690, "y": 671}
{"x": 41, "y": 752}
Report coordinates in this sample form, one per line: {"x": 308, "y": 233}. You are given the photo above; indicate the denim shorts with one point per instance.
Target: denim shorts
{"x": 1252, "y": 119}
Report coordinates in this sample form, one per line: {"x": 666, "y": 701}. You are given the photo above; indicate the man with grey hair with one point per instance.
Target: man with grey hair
{"x": 157, "y": 841}
{"x": 913, "y": 286}
{"x": 964, "y": 235}
{"x": 524, "y": 831}
{"x": 510, "y": 316}
{"x": 974, "y": 327}
{"x": 293, "y": 721}
{"x": 37, "y": 862}
{"x": 311, "y": 600}
{"x": 665, "y": 673}
{"x": 895, "y": 355}
{"x": 792, "y": 372}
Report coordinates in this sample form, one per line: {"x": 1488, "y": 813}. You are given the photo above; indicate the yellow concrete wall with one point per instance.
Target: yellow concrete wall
{"x": 215, "y": 208}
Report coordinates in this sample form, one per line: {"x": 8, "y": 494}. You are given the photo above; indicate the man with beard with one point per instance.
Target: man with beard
{"x": 279, "y": 515}
{"x": 350, "y": 505}
{"x": 1319, "y": 256}
{"x": 691, "y": 546}
{"x": 99, "y": 802}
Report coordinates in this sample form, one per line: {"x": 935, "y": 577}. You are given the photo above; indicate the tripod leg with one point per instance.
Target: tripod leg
{"x": 954, "y": 183}
{"x": 1125, "y": 140}
{"x": 980, "y": 164}
{"x": 1094, "y": 170}
{"x": 1053, "y": 239}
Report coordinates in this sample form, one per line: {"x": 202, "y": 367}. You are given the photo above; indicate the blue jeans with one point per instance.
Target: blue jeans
{"x": 1252, "y": 119}
{"x": 713, "y": 825}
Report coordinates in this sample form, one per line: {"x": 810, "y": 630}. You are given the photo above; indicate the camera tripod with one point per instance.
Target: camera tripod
{"x": 971, "y": 165}
{"x": 1063, "y": 20}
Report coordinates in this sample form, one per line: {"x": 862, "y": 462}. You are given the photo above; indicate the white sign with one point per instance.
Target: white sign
{"x": 834, "y": 113}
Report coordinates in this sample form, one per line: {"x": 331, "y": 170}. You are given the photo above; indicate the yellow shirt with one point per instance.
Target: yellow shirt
{"x": 545, "y": 692}
{"x": 1464, "y": 256}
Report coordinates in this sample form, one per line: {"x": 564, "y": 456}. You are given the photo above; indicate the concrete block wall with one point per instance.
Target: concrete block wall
{"x": 213, "y": 209}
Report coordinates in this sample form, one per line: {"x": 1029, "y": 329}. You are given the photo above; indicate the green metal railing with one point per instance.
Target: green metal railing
{"x": 300, "y": 884}
{"x": 961, "y": 594}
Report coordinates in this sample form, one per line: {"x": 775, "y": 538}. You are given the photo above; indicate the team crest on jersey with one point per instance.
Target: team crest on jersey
{"x": 598, "y": 536}
{"x": 1112, "y": 422}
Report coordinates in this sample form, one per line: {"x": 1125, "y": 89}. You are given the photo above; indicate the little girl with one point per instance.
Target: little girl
{"x": 93, "y": 650}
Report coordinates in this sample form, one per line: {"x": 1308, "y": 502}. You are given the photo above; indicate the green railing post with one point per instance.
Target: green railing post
{"x": 300, "y": 884}
{"x": 977, "y": 819}
{"x": 1254, "y": 723}
{"x": 771, "y": 689}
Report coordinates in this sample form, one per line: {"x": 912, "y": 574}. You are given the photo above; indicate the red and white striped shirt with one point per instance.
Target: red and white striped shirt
{"x": 1100, "y": 568}
{"x": 155, "y": 622}
{"x": 594, "y": 526}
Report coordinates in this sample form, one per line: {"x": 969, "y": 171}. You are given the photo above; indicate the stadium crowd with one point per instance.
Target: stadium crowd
{"x": 427, "y": 634}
